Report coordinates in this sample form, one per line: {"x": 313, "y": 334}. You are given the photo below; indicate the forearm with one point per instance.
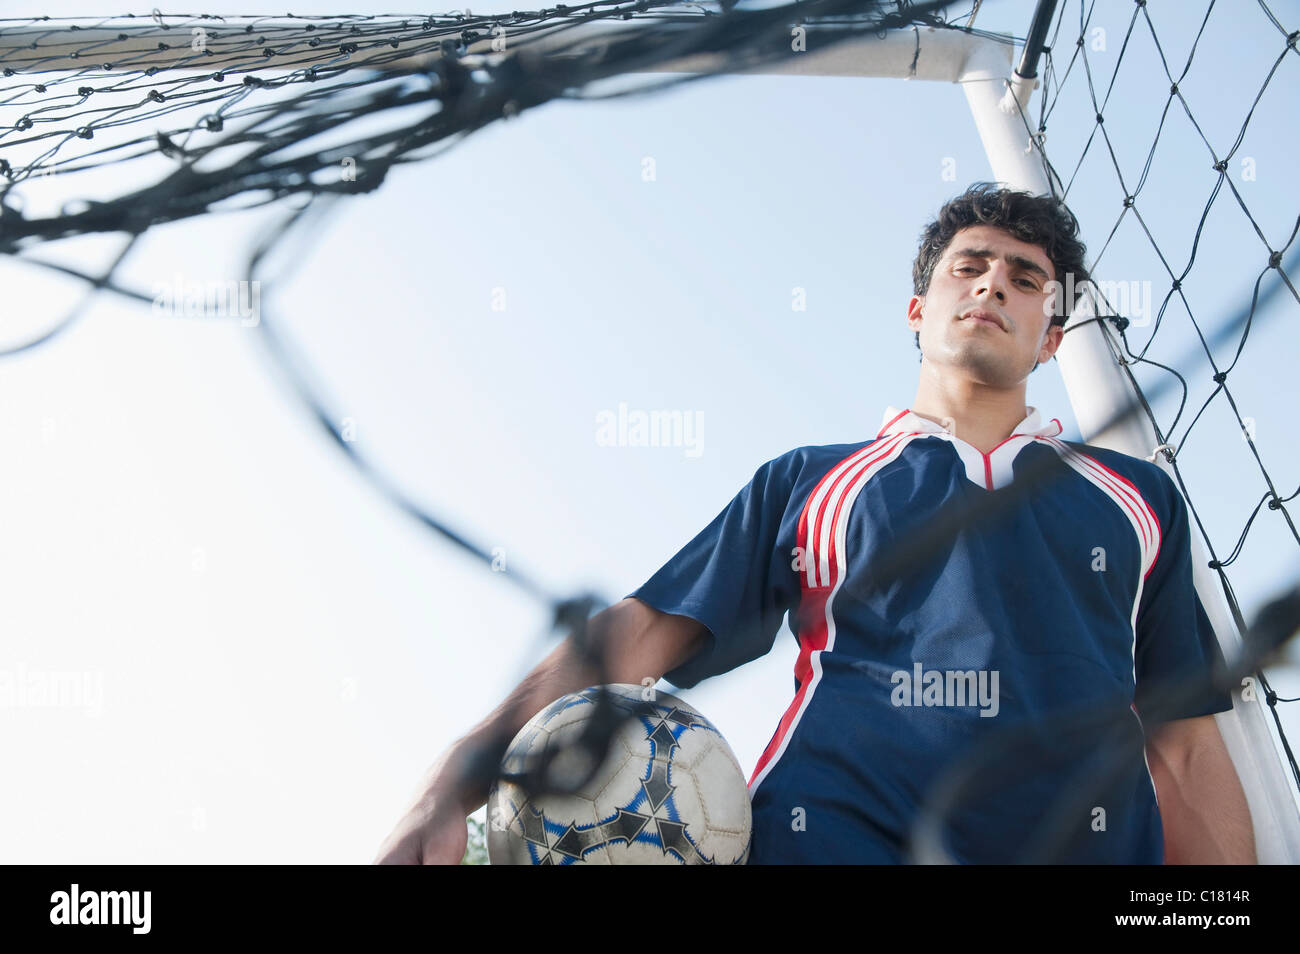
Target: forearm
{"x": 1203, "y": 807}
{"x": 454, "y": 776}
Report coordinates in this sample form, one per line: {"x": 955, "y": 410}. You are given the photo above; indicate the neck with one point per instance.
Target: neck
{"x": 980, "y": 415}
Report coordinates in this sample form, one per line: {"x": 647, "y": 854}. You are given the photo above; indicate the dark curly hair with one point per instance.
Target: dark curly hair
{"x": 1037, "y": 219}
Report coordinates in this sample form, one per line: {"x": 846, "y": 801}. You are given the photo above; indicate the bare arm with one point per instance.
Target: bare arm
{"x": 1202, "y": 805}
{"x": 637, "y": 641}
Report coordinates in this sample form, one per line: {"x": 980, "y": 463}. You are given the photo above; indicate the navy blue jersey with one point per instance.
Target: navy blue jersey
{"x": 1079, "y": 598}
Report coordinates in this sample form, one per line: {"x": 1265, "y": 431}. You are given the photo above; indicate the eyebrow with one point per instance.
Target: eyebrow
{"x": 1026, "y": 264}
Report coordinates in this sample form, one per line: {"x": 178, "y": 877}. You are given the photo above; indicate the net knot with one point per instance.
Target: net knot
{"x": 39, "y": 87}
{"x": 166, "y": 146}
{"x": 1120, "y": 322}
{"x": 1214, "y": 564}
{"x": 1292, "y": 38}
{"x": 1221, "y": 377}
{"x": 572, "y": 615}
{"x": 1173, "y": 90}
{"x": 1275, "y": 260}
{"x": 1128, "y": 201}
{"x": 1271, "y": 696}
{"x": 1167, "y": 449}
{"x": 1274, "y": 503}
{"x": 1221, "y": 165}
{"x": 156, "y": 96}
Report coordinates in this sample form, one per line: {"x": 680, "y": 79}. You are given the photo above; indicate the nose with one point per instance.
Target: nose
{"x": 993, "y": 281}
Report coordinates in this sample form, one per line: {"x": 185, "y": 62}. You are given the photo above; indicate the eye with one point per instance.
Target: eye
{"x": 1028, "y": 283}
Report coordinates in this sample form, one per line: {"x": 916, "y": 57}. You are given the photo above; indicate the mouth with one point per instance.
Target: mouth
{"x": 980, "y": 316}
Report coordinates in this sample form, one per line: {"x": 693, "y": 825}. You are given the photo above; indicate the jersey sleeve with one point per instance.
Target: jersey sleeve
{"x": 1175, "y": 640}
{"x": 731, "y": 579}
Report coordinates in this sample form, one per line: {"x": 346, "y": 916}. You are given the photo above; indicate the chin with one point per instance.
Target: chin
{"x": 986, "y": 369}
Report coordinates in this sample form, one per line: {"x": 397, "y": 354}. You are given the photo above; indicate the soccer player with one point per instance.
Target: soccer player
{"x": 1079, "y": 596}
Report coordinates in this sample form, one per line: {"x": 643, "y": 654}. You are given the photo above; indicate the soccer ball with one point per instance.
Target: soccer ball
{"x": 670, "y": 791}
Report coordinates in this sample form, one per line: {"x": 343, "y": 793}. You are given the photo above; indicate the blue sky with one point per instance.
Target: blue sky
{"x": 281, "y": 654}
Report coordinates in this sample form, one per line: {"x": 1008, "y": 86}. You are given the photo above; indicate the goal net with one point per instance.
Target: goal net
{"x": 1166, "y": 130}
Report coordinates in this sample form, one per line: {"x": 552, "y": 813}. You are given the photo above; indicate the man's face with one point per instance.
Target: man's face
{"x": 1004, "y": 282}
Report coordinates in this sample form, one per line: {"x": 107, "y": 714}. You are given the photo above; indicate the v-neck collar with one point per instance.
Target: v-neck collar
{"x": 991, "y": 470}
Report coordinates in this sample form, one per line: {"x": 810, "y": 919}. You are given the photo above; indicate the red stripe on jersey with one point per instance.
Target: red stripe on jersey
{"x": 814, "y": 635}
{"x": 848, "y": 476}
{"x": 1147, "y": 509}
{"x": 1131, "y": 499}
{"x": 810, "y": 639}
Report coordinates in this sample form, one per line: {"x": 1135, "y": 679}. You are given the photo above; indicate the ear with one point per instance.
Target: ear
{"x": 914, "y": 306}
{"x": 1055, "y": 333}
